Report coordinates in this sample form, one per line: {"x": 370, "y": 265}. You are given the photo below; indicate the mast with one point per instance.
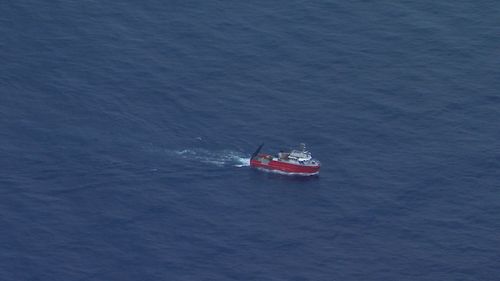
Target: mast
{"x": 257, "y": 151}
{"x": 303, "y": 147}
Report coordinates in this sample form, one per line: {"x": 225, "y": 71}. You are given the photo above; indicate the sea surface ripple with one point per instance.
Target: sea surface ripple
{"x": 127, "y": 127}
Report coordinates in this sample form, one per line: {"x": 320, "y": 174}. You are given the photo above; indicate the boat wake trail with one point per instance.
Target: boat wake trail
{"x": 218, "y": 158}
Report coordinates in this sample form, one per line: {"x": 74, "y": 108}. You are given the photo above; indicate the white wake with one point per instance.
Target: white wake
{"x": 218, "y": 158}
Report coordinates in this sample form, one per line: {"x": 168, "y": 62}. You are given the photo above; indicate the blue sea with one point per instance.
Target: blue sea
{"x": 126, "y": 129}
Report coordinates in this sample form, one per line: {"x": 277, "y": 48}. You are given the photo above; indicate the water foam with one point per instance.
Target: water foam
{"x": 218, "y": 158}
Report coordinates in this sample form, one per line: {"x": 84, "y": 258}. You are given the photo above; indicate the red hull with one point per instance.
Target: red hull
{"x": 285, "y": 167}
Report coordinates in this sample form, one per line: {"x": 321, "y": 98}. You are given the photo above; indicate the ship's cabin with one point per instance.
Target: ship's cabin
{"x": 296, "y": 155}
{"x": 300, "y": 155}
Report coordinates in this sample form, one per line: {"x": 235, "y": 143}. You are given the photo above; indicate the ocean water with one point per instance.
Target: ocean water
{"x": 126, "y": 129}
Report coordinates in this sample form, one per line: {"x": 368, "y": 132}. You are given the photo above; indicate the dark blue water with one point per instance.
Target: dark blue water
{"x": 126, "y": 128}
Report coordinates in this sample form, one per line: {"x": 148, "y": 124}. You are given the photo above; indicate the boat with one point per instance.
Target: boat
{"x": 295, "y": 162}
